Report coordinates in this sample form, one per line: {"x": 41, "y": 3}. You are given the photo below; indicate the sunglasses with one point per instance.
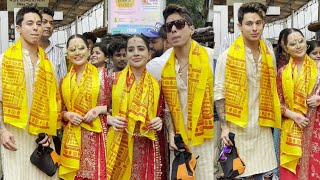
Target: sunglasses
{"x": 223, "y": 157}
{"x": 179, "y": 24}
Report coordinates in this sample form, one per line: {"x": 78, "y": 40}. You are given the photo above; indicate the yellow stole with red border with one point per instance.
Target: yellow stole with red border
{"x": 296, "y": 89}
{"x": 136, "y": 103}
{"x": 79, "y": 98}
{"x": 46, "y": 102}
{"x": 200, "y": 96}
{"x": 236, "y": 87}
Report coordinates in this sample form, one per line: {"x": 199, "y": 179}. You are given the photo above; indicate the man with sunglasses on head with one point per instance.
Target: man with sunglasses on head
{"x": 246, "y": 94}
{"x": 187, "y": 84}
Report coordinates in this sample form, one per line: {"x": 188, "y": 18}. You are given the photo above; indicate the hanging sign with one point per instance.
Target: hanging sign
{"x": 11, "y": 4}
{"x": 132, "y": 16}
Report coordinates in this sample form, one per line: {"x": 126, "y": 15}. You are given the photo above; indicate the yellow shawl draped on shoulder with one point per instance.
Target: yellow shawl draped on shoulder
{"x": 296, "y": 89}
{"x": 46, "y": 102}
{"x": 236, "y": 87}
{"x": 79, "y": 98}
{"x": 136, "y": 103}
{"x": 200, "y": 96}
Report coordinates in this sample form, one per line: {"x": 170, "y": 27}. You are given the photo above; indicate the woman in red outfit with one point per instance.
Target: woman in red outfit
{"x": 298, "y": 88}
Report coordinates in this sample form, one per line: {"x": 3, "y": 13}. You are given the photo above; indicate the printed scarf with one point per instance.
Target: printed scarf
{"x": 200, "y": 96}
{"x": 46, "y": 102}
{"x": 296, "y": 88}
{"x": 236, "y": 87}
{"x": 136, "y": 103}
{"x": 79, "y": 98}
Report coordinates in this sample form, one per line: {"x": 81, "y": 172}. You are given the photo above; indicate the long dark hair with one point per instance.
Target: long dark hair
{"x": 279, "y": 49}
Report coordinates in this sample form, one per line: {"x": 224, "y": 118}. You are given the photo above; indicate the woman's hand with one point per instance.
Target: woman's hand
{"x": 313, "y": 101}
{"x": 7, "y": 140}
{"x": 92, "y": 114}
{"x": 117, "y": 122}
{"x": 73, "y": 117}
{"x": 155, "y": 124}
{"x": 300, "y": 119}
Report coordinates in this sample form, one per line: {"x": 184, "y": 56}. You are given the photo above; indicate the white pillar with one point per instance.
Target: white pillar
{"x": 16, "y": 34}
{"x": 220, "y": 26}
{"x": 292, "y": 18}
{"x": 76, "y": 24}
{"x": 236, "y": 7}
{"x": 105, "y": 13}
{"x": 4, "y": 31}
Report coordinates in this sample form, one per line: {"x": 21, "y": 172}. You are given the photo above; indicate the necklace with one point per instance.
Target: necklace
{"x": 180, "y": 69}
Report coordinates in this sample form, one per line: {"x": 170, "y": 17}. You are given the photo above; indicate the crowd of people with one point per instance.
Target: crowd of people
{"x": 111, "y": 110}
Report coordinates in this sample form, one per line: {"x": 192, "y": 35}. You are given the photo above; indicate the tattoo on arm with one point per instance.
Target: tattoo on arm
{"x": 168, "y": 122}
{"x": 221, "y": 110}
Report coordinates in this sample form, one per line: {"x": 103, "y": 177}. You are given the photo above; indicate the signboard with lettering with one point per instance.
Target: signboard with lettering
{"x": 11, "y": 4}
{"x": 133, "y": 16}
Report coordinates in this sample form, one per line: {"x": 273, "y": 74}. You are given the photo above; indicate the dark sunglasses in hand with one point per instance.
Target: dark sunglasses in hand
{"x": 179, "y": 24}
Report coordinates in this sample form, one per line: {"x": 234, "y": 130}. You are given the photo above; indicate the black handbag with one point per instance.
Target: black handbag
{"x": 230, "y": 161}
{"x": 45, "y": 158}
{"x": 184, "y": 164}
